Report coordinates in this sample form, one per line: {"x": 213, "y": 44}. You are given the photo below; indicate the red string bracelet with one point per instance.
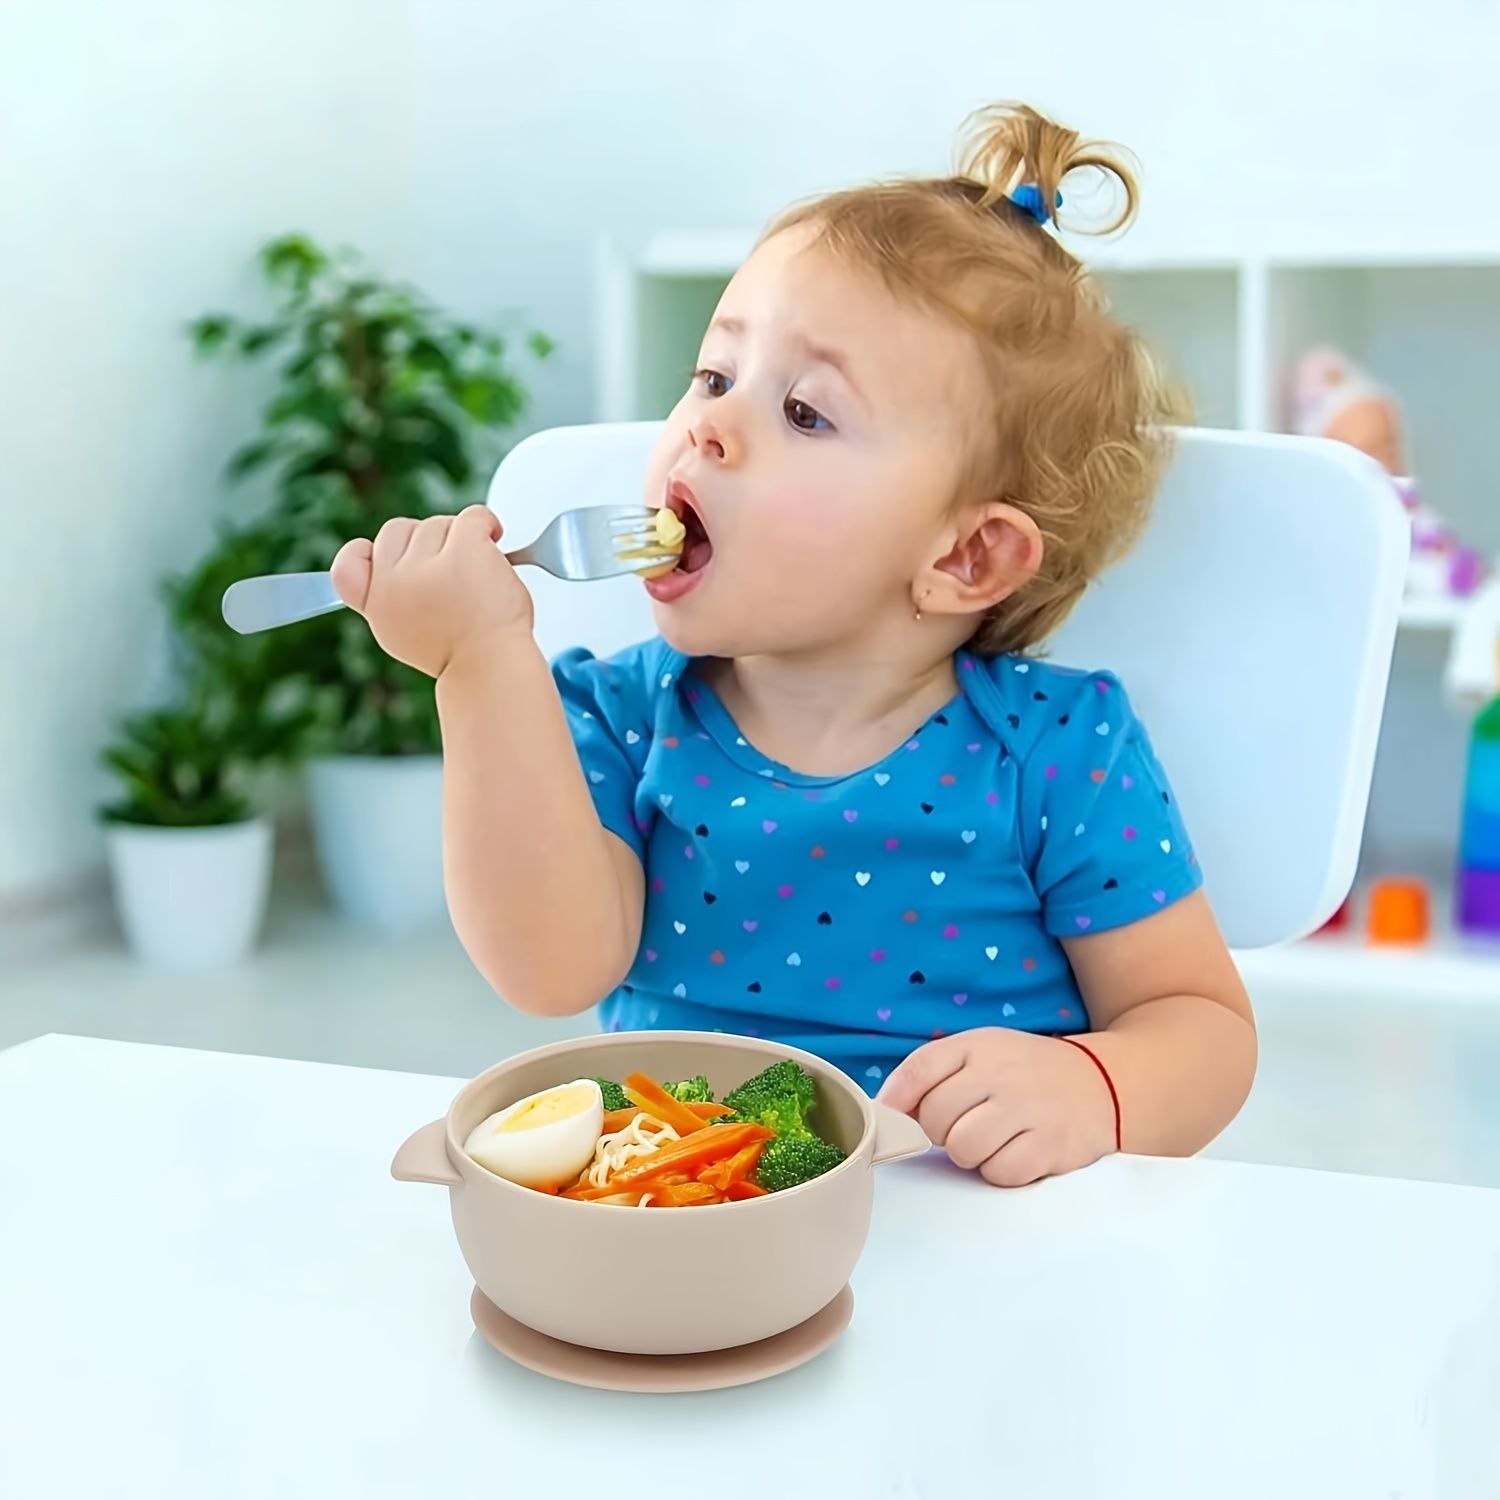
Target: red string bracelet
{"x": 1109, "y": 1082}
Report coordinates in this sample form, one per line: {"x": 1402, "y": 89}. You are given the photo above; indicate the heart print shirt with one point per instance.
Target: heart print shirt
{"x": 860, "y": 916}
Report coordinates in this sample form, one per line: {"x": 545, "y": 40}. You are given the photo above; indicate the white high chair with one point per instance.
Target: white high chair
{"x": 1252, "y": 626}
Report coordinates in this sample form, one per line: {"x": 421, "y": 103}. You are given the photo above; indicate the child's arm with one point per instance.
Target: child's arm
{"x": 1171, "y": 1024}
{"x": 547, "y": 903}
{"x": 1172, "y": 1027}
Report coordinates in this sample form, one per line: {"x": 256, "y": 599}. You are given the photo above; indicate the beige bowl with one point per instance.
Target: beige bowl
{"x": 660, "y": 1281}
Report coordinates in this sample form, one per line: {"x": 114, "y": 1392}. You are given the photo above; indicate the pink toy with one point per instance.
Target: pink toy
{"x": 1333, "y": 397}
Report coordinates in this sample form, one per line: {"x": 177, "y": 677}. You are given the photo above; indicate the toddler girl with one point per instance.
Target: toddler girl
{"x": 841, "y": 802}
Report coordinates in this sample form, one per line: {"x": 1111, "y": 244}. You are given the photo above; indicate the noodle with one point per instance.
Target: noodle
{"x": 639, "y": 1138}
{"x": 627, "y": 1200}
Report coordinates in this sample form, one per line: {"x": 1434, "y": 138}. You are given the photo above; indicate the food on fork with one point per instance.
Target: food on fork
{"x": 661, "y": 554}
{"x": 670, "y": 532}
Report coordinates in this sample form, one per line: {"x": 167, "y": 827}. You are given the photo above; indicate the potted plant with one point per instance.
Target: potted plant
{"x": 189, "y": 859}
{"x": 383, "y": 406}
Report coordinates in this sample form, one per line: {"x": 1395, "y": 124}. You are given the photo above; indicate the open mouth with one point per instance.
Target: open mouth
{"x": 697, "y": 549}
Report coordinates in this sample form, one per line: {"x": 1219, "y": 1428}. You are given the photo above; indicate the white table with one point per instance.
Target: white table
{"x": 210, "y": 1287}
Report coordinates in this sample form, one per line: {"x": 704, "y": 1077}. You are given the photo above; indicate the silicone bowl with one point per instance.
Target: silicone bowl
{"x": 660, "y": 1281}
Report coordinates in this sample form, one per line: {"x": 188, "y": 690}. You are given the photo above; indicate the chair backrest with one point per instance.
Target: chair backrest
{"x": 1253, "y": 627}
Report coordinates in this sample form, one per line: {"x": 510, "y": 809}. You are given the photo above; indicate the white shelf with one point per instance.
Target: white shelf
{"x": 1431, "y": 614}
{"x": 1343, "y": 965}
{"x": 720, "y": 252}
{"x": 694, "y": 253}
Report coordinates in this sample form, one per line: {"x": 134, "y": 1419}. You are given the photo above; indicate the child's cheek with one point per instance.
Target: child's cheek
{"x": 806, "y": 531}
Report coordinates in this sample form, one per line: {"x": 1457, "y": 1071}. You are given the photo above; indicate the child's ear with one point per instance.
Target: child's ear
{"x": 998, "y": 550}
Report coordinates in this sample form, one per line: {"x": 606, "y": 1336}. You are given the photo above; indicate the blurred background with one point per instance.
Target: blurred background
{"x": 271, "y": 270}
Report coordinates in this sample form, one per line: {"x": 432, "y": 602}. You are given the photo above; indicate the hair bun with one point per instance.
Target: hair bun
{"x": 1003, "y": 147}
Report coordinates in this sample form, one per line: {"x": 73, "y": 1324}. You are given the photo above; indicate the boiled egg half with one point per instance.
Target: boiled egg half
{"x": 544, "y": 1141}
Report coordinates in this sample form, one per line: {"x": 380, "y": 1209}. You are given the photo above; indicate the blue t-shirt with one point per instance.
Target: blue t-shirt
{"x": 860, "y": 916}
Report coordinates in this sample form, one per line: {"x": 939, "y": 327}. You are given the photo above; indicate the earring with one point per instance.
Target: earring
{"x": 917, "y": 613}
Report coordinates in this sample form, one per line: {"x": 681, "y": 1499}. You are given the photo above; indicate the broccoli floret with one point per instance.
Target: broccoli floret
{"x": 691, "y": 1091}
{"x": 780, "y": 1098}
{"x": 614, "y": 1095}
{"x": 785, "y": 1163}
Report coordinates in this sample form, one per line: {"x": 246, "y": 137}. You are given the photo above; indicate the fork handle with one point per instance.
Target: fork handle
{"x": 263, "y": 603}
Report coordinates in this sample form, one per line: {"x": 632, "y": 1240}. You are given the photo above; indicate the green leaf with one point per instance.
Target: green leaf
{"x": 319, "y": 461}
{"x": 292, "y": 262}
{"x": 210, "y": 334}
{"x": 429, "y": 356}
{"x": 176, "y": 768}
{"x": 540, "y": 345}
{"x": 446, "y": 450}
{"x": 491, "y": 400}
{"x": 254, "y": 341}
{"x": 474, "y": 397}
{"x": 310, "y": 404}
{"x": 252, "y": 456}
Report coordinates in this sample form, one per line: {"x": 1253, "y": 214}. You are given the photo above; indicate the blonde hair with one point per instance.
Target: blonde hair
{"x": 1076, "y": 403}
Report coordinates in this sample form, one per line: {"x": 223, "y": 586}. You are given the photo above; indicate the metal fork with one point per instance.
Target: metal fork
{"x": 597, "y": 541}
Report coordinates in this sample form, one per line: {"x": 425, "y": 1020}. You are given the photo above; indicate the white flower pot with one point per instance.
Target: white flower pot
{"x": 378, "y": 826}
{"x": 191, "y": 898}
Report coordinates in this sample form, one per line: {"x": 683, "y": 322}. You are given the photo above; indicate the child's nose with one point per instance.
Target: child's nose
{"x": 715, "y": 438}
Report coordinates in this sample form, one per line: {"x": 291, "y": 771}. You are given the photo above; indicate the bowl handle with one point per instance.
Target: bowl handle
{"x": 897, "y": 1136}
{"x": 424, "y": 1157}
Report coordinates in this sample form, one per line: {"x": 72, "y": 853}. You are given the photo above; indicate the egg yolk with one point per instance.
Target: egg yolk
{"x": 546, "y": 1109}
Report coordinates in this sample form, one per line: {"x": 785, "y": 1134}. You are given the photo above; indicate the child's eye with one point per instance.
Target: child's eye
{"x": 713, "y": 383}
{"x": 806, "y": 418}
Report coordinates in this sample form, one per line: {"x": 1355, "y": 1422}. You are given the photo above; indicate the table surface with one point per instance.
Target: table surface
{"x": 210, "y": 1286}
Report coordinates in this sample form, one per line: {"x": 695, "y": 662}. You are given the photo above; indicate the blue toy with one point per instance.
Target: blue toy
{"x": 1478, "y": 904}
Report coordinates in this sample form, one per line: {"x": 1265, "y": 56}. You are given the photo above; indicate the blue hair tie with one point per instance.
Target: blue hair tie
{"x": 1028, "y": 197}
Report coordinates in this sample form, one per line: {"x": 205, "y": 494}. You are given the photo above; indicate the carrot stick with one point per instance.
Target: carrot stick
{"x": 584, "y": 1190}
{"x": 682, "y": 1195}
{"x": 619, "y": 1119}
{"x": 706, "y": 1111}
{"x": 694, "y": 1152}
{"x": 690, "y": 1154}
{"x": 653, "y": 1098}
{"x": 745, "y": 1189}
{"x": 735, "y": 1169}
{"x": 745, "y": 1161}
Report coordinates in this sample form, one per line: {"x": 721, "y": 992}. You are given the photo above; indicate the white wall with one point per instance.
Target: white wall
{"x": 146, "y": 149}
{"x": 485, "y": 145}
{"x": 1299, "y": 125}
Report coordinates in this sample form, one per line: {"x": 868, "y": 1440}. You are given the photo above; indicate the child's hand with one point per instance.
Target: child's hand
{"x": 433, "y": 588}
{"x": 1016, "y": 1106}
